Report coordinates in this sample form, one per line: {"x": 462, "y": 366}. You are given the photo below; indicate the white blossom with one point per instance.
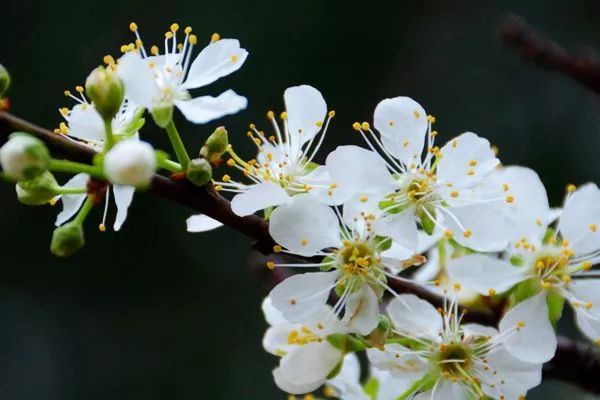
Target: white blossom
{"x": 130, "y": 162}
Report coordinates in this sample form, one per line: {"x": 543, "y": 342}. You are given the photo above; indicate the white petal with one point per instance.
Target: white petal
{"x": 321, "y": 182}
{"x": 390, "y": 387}
{"x": 448, "y": 390}
{"x": 483, "y": 273}
{"x": 272, "y": 315}
{"x": 310, "y": 363}
{"x": 72, "y": 202}
{"x": 587, "y": 292}
{"x": 400, "y": 361}
{"x": 536, "y": 341}
{"x": 414, "y": 317}
{"x": 202, "y": 223}
{"x": 362, "y": 171}
{"x": 357, "y": 206}
{"x": 394, "y": 257}
{"x": 201, "y": 110}
{"x": 347, "y": 382}
{"x": 305, "y": 227}
{"x": 289, "y": 386}
{"x": 306, "y": 110}
{"x": 276, "y": 340}
{"x": 303, "y": 295}
{"x": 258, "y": 197}
{"x": 459, "y": 155}
{"x": 580, "y": 220}
{"x": 486, "y": 223}
{"x": 362, "y": 310}
{"x": 401, "y": 228}
{"x": 138, "y": 79}
{"x": 509, "y": 375}
{"x": 588, "y": 325}
{"x": 529, "y": 212}
{"x": 215, "y": 61}
{"x": 123, "y": 197}
{"x": 85, "y": 123}
{"x": 402, "y": 123}
{"x": 476, "y": 330}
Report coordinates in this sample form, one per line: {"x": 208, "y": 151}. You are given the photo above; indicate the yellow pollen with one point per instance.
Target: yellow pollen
{"x": 546, "y": 285}
{"x": 365, "y": 126}
{"x": 491, "y": 292}
{"x": 169, "y": 35}
{"x": 283, "y": 115}
{"x": 154, "y": 50}
{"x": 457, "y": 286}
{"x": 215, "y": 37}
{"x": 226, "y": 178}
{"x": 505, "y": 187}
{"x": 589, "y": 305}
{"x": 586, "y": 265}
{"x": 64, "y": 111}
{"x": 520, "y": 324}
{"x": 328, "y": 391}
{"x": 133, "y": 27}
{"x": 270, "y": 115}
{"x": 303, "y": 242}
{"x": 174, "y": 27}
{"x": 331, "y": 114}
{"x": 270, "y": 265}
{"x": 571, "y": 188}
{"x": 431, "y": 119}
{"x": 79, "y": 89}
{"x": 448, "y": 234}
{"x": 277, "y": 248}
{"x": 454, "y": 194}
{"x": 454, "y": 143}
{"x": 364, "y": 199}
{"x": 233, "y": 58}
{"x": 187, "y": 30}
{"x": 319, "y": 123}
{"x": 538, "y": 222}
{"x": 356, "y": 126}
{"x": 193, "y": 39}
{"x": 510, "y": 199}
{"x": 470, "y": 172}
{"x": 593, "y": 227}
{"x": 472, "y": 163}
{"x": 218, "y": 188}
{"x": 416, "y": 114}
{"x": 108, "y": 59}
{"x": 102, "y": 228}
{"x": 64, "y": 129}
{"x": 467, "y": 233}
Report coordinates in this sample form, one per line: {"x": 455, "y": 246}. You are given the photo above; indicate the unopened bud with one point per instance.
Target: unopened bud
{"x": 215, "y": 146}
{"x": 130, "y": 162}
{"x": 162, "y": 115}
{"x": 37, "y": 191}
{"x": 67, "y": 239}
{"x": 106, "y": 90}
{"x": 24, "y": 156}
{"x": 4, "y": 80}
{"x": 199, "y": 171}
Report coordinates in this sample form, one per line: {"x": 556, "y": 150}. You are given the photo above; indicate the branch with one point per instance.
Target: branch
{"x": 575, "y": 362}
{"x": 543, "y": 52}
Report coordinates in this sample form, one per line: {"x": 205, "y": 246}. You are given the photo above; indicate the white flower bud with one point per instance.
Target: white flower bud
{"x": 24, "y": 157}
{"x": 130, "y": 162}
{"x": 106, "y": 91}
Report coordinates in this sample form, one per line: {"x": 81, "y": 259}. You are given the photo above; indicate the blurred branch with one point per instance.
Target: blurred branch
{"x": 575, "y": 362}
{"x": 543, "y": 52}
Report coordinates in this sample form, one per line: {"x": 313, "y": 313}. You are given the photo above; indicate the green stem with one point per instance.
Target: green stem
{"x": 84, "y": 211}
{"x": 419, "y": 385}
{"x": 110, "y": 139}
{"x": 169, "y": 165}
{"x": 75, "y": 168}
{"x": 178, "y": 145}
{"x": 64, "y": 190}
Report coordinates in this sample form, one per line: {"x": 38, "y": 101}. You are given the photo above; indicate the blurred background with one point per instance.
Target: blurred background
{"x": 153, "y": 312}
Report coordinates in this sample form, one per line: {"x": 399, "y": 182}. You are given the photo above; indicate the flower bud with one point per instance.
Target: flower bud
{"x": 106, "y": 91}
{"x": 4, "y": 80}
{"x": 37, "y": 191}
{"x": 199, "y": 171}
{"x": 24, "y": 156}
{"x": 67, "y": 239}
{"x": 163, "y": 115}
{"x": 215, "y": 145}
{"x": 130, "y": 162}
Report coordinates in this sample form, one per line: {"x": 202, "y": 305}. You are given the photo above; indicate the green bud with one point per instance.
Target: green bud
{"x": 163, "y": 115}
{"x": 199, "y": 171}
{"x": 106, "y": 91}
{"x": 215, "y": 146}
{"x": 24, "y": 156}
{"x": 37, "y": 191}
{"x": 4, "y": 80}
{"x": 67, "y": 239}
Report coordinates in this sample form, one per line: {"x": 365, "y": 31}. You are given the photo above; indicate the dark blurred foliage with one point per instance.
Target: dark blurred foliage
{"x": 153, "y": 312}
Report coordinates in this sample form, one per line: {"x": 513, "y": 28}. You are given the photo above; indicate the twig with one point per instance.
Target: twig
{"x": 542, "y": 51}
{"x": 575, "y": 362}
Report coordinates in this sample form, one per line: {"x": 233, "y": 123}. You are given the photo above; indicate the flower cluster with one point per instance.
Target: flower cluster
{"x": 361, "y": 227}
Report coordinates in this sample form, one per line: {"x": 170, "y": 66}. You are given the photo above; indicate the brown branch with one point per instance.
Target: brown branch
{"x": 542, "y": 51}
{"x": 575, "y": 362}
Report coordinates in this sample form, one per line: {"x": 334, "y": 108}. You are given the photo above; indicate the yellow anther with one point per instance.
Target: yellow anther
{"x": 331, "y": 114}
{"x": 571, "y": 188}
{"x": 470, "y": 172}
{"x": 365, "y": 126}
{"x": 364, "y": 199}
{"x": 67, "y": 92}
{"x": 491, "y": 292}
{"x": 454, "y": 143}
{"x": 187, "y": 30}
{"x": 309, "y": 397}
{"x": 270, "y": 265}
{"x": 133, "y": 27}
{"x": 215, "y": 37}
{"x": 416, "y": 114}
{"x": 218, "y": 188}
{"x": 108, "y": 59}
{"x": 431, "y": 119}
{"x": 454, "y": 194}
{"x": 53, "y": 201}
{"x": 226, "y": 178}
{"x": 169, "y": 35}
{"x": 304, "y": 242}
{"x": 277, "y": 248}
{"x": 231, "y": 162}
{"x": 124, "y": 48}
{"x": 567, "y": 279}
{"x": 79, "y": 89}
{"x": 505, "y": 187}
{"x": 174, "y": 27}
{"x": 510, "y": 199}
{"x": 328, "y": 391}
{"x": 283, "y": 115}
{"x": 102, "y": 228}
{"x": 291, "y": 397}
{"x": 472, "y": 163}
{"x": 546, "y": 285}
{"x": 597, "y": 342}
{"x": 586, "y": 265}
{"x": 457, "y": 286}
{"x": 433, "y": 134}
{"x": 333, "y": 185}
{"x": 593, "y": 227}
{"x": 64, "y": 111}
{"x": 540, "y": 265}
{"x": 319, "y": 123}
{"x": 233, "y": 58}
{"x": 448, "y": 234}
{"x": 270, "y": 115}
{"x": 356, "y": 126}
{"x": 520, "y": 324}
{"x": 589, "y": 305}
{"x": 391, "y": 123}
{"x": 154, "y": 50}
{"x": 138, "y": 43}
{"x": 180, "y": 46}
{"x": 64, "y": 129}
{"x": 467, "y": 233}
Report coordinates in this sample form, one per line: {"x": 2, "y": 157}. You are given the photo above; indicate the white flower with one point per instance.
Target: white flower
{"x": 441, "y": 359}
{"x": 307, "y": 357}
{"x": 284, "y": 166}
{"x": 157, "y": 80}
{"x": 443, "y": 188}
{"x": 130, "y": 162}
{"x": 202, "y": 223}
{"x": 356, "y": 263}
{"x": 557, "y": 263}
{"x": 346, "y": 384}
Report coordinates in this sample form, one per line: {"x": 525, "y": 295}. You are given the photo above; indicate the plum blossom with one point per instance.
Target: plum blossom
{"x": 356, "y": 263}
{"x": 402, "y": 189}
{"x": 436, "y": 357}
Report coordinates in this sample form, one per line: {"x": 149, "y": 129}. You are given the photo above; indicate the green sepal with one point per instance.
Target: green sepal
{"x": 199, "y": 171}
{"x": 135, "y": 125}
{"x": 517, "y": 260}
{"x": 421, "y": 385}
{"x": 556, "y": 304}
{"x": 346, "y": 343}
{"x": 163, "y": 115}
{"x": 334, "y": 372}
{"x": 311, "y": 166}
{"x": 325, "y": 266}
{"x": 67, "y": 239}
{"x": 523, "y": 291}
{"x": 383, "y": 243}
{"x": 548, "y": 235}
{"x": 427, "y": 223}
{"x": 371, "y": 388}
{"x": 37, "y": 191}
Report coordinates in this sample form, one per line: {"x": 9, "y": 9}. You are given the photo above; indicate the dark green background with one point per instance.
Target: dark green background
{"x": 152, "y": 312}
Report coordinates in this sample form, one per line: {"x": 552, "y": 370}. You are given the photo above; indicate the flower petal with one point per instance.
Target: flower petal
{"x": 258, "y": 197}
{"x": 72, "y": 202}
{"x": 347, "y": 382}
{"x": 402, "y": 124}
{"x": 580, "y": 220}
{"x": 484, "y": 274}
{"x": 123, "y": 197}
{"x": 321, "y": 182}
{"x": 485, "y": 227}
{"x": 215, "y": 61}
{"x": 362, "y": 310}
{"x": 272, "y": 315}
{"x": 85, "y": 123}
{"x": 587, "y": 293}
{"x": 588, "y": 325}
{"x": 303, "y": 295}
{"x": 310, "y": 363}
{"x": 390, "y": 387}
{"x": 403, "y": 363}
{"x": 138, "y": 79}
{"x": 305, "y": 227}
{"x": 465, "y": 160}
{"x": 535, "y": 342}
{"x": 289, "y": 386}
{"x": 201, "y": 110}
{"x": 401, "y": 228}
{"x": 306, "y": 110}
{"x": 414, "y": 317}
{"x": 202, "y": 223}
